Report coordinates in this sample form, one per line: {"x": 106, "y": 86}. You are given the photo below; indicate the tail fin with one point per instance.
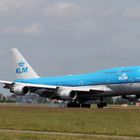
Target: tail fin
{"x": 23, "y": 69}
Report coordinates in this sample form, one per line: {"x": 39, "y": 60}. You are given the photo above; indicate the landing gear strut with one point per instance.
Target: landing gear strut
{"x": 101, "y": 104}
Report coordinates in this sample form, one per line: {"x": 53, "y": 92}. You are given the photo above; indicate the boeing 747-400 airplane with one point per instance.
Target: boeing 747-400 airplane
{"x": 77, "y": 90}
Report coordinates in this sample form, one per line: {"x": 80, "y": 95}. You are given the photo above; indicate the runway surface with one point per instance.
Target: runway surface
{"x": 69, "y": 134}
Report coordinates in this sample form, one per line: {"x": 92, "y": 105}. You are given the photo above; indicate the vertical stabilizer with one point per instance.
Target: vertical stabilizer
{"x": 22, "y": 68}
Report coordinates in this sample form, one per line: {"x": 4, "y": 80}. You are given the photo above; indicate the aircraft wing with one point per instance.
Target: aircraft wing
{"x": 36, "y": 86}
{"x": 78, "y": 88}
{"x": 57, "y": 89}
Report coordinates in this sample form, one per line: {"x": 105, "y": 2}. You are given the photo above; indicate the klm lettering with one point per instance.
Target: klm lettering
{"x": 21, "y": 70}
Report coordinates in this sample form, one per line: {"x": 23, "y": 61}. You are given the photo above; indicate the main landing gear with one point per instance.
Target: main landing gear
{"x": 101, "y": 104}
{"x": 78, "y": 105}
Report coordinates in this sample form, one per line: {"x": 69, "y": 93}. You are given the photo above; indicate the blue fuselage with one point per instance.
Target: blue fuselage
{"x": 104, "y": 77}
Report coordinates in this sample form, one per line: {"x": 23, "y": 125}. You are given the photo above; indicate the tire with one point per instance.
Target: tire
{"x": 101, "y": 105}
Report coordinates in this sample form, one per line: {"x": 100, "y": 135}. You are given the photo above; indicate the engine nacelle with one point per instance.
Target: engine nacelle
{"x": 21, "y": 90}
{"x": 68, "y": 95}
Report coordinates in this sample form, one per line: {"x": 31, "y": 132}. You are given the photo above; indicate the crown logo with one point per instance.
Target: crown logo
{"x": 21, "y": 64}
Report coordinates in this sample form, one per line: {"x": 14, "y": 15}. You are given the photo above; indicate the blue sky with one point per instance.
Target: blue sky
{"x": 61, "y": 37}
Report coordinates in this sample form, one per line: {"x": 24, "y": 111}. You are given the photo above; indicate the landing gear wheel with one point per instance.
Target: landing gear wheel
{"x": 101, "y": 105}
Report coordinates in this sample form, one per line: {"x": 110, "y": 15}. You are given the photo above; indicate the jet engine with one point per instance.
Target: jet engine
{"x": 68, "y": 95}
{"x": 21, "y": 90}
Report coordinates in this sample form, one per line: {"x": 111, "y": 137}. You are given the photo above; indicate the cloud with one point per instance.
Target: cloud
{"x": 132, "y": 12}
{"x": 21, "y": 7}
{"x": 9, "y": 5}
{"x": 35, "y": 7}
{"x": 34, "y": 29}
{"x": 62, "y": 9}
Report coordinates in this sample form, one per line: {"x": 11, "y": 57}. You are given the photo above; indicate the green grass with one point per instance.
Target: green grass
{"x": 110, "y": 121}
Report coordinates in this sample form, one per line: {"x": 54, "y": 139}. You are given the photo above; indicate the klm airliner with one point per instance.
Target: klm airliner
{"x": 77, "y": 90}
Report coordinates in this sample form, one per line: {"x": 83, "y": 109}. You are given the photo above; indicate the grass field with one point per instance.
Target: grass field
{"x": 109, "y": 121}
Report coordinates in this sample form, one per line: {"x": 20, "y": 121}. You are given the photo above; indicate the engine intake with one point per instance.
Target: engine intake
{"x": 21, "y": 90}
{"x": 68, "y": 95}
